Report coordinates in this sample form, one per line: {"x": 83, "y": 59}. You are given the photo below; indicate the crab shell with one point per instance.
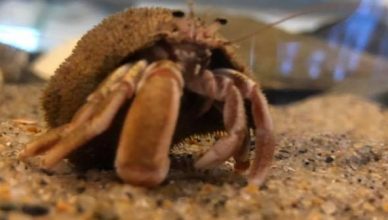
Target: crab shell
{"x": 114, "y": 41}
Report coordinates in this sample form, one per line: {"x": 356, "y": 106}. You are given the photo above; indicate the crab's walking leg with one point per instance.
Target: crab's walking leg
{"x": 92, "y": 119}
{"x": 206, "y": 85}
{"x": 265, "y": 141}
{"x": 142, "y": 155}
{"x": 234, "y": 121}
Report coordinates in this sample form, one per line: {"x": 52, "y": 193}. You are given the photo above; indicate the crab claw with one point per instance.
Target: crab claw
{"x": 93, "y": 118}
{"x": 142, "y": 154}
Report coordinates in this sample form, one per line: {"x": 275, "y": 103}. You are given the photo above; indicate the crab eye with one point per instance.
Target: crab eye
{"x": 178, "y": 14}
{"x": 222, "y": 21}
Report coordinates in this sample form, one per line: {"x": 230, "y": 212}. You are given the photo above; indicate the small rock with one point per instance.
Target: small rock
{"x": 5, "y": 192}
{"x": 329, "y": 207}
{"x": 87, "y": 202}
{"x": 34, "y": 210}
{"x": 7, "y": 207}
{"x": 62, "y": 206}
{"x": 385, "y": 207}
{"x": 329, "y": 159}
{"x": 369, "y": 207}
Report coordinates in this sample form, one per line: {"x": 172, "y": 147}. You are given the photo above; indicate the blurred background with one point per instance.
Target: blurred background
{"x": 329, "y": 47}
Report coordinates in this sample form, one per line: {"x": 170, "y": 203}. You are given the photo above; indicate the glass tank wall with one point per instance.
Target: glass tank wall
{"x": 338, "y": 46}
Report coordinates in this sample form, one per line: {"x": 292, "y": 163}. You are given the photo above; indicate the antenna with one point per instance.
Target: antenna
{"x": 304, "y": 11}
{"x": 191, "y": 3}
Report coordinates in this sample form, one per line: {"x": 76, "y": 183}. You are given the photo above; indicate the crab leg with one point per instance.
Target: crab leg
{"x": 205, "y": 85}
{"x": 265, "y": 141}
{"x": 92, "y": 119}
{"x": 142, "y": 154}
{"x": 235, "y": 124}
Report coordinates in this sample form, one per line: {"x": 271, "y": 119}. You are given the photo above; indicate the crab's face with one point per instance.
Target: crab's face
{"x": 190, "y": 42}
{"x": 147, "y": 101}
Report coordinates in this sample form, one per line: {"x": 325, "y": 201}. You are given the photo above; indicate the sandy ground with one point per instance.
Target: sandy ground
{"x": 331, "y": 163}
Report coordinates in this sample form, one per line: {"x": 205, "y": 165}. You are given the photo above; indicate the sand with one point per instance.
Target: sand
{"x": 331, "y": 162}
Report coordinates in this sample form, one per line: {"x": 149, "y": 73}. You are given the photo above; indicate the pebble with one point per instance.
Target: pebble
{"x": 87, "y": 202}
{"x": 34, "y": 210}
{"x": 7, "y": 207}
{"x": 329, "y": 159}
{"x": 5, "y": 192}
{"x": 329, "y": 207}
{"x": 369, "y": 207}
{"x": 65, "y": 207}
{"x": 385, "y": 206}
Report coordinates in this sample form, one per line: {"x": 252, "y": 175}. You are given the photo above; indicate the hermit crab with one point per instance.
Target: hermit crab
{"x": 139, "y": 82}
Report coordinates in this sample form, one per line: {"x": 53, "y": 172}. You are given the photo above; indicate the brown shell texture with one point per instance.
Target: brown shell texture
{"x": 99, "y": 52}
